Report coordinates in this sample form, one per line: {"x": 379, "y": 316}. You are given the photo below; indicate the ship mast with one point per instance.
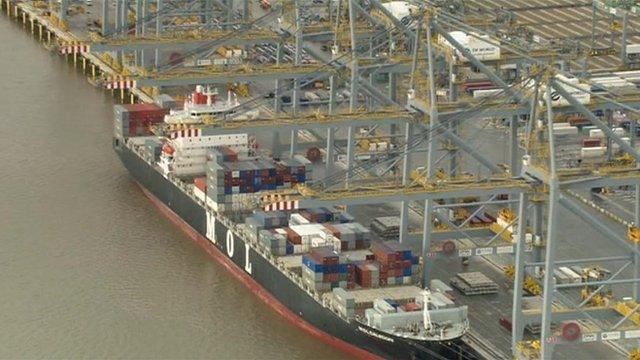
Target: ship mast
{"x": 426, "y": 316}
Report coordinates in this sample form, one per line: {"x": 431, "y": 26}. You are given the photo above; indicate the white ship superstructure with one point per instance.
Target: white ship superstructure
{"x": 201, "y": 104}
{"x": 187, "y": 156}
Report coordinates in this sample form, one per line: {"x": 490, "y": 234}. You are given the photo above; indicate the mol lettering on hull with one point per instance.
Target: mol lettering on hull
{"x": 231, "y": 248}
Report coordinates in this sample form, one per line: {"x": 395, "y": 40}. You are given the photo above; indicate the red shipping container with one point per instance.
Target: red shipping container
{"x": 293, "y": 236}
{"x": 591, "y": 142}
{"x": 412, "y": 306}
{"x": 333, "y": 277}
{"x": 147, "y": 111}
{"x": 230, "y": 155}
{"x": 332, "y": 230}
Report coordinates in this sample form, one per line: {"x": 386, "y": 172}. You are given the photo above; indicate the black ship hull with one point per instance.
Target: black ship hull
{"x": 272, "y": 285}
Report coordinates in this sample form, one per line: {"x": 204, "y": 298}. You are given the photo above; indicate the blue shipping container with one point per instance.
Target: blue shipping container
{"x": 289, "y": 248}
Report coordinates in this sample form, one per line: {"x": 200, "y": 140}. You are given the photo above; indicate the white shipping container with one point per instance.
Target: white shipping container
{"x": 401, "y": 10}
{"x": 571, "y": 85}
{"x": 479, "y": 48}
{"x": 204, "y": 62}
{"x": 633, "y": 49}
{"x": 220, "y": 61}
{"x": 570, "y": 130}
{"x": 308, "y": 229}
{"x": 591, "y": 152}
{"x": 575, "y": 278}
{"x": 317, "y": 242}
{"x": 616, "y": 147}
{"x": 481, "y": 94}
{"x": 597, "y": 133}
{"x": 297, "y": 219}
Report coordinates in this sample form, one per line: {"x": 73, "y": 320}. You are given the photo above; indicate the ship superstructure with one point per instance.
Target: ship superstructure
{"x": 203, "y": 105}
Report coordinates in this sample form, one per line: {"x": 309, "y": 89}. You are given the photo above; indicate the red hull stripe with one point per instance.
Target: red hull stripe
{"x": 256, "y": 288}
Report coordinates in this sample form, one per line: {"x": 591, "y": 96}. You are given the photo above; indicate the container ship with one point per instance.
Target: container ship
{"x": 319, "y": 268}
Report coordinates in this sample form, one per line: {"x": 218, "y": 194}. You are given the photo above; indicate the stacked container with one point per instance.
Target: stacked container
{"x": 349, "y": 236}
{"x": 275, "y": 242}
{"x": 398, "y": 265}
{"x": 290, "y": 171}
{"x": 368, "y": 274}
{"x": 318, "y": 215}
{"x": 153, "y": 147}
{"x": 135, "y": 119}
{"x": 271, "y": 219}
{"x": 249, "y": 176}
{"x": 215, "y": 181}
{"x": 323, "y": 269}
{"x": 224, "y": 153}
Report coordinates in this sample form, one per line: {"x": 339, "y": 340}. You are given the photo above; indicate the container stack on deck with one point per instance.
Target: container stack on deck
{"x": 253, "y": 175}
{"x": 303, "y": 234}
{"x": 323, "y": 269}
{"x": 276, "y": 242}
{"x": 135, "y": 119}
{"x": 398, "y": 265}
{"x": 349, "y": 236}
{"x": 368, "y": 274}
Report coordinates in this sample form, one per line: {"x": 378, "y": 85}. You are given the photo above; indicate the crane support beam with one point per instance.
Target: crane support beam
{"x": 211, "y": 39}
{"x": 364, "y": 194}
{"x": 307, "y": 121}
{"x": 183, "y": 77}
